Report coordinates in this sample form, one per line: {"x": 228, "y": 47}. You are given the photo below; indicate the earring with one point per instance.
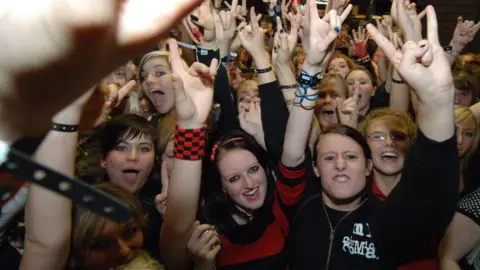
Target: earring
{"x": 225, "y": 196}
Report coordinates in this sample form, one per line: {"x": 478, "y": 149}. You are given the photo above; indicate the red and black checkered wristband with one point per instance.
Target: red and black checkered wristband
{"x": 189, "y": 144}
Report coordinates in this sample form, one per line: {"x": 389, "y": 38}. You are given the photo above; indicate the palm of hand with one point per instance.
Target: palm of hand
{"x": 201, "y": 94}
{"x": 431, "y": 82}
{"x": 318, "y": 46}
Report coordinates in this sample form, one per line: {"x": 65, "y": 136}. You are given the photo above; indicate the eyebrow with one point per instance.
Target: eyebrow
{"x": 251, "y": 165}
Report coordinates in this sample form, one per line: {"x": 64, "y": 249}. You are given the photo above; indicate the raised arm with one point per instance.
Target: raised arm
{"x": 48, "y": 216}
{"x": 193, "y": 101}
{"x": 321, "y": 34}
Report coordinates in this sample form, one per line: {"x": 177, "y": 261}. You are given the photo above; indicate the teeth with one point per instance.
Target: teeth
{"x": 341, "y": 178}
{"x": 251, "y": 193}
{"x": 389, "y": 155}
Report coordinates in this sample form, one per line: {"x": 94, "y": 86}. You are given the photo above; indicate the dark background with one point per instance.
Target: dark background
{"x": 447, "y": 13}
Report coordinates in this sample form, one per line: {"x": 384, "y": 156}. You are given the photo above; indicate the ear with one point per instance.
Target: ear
{"x": 103, "y": 162}
{"x": 369, "y": 167}
{"x": 315, "y": 170}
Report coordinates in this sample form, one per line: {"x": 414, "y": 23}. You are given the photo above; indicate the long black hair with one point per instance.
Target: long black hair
{"x": 219, "y": 207}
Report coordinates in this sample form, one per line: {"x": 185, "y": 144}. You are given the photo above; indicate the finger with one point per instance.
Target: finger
{"x": 138, "y": 26}
{"x": 387, "y": 46}
{"x": 312, "y": 6}
{"x": 422, "y": 14}
{"x": 432, "y": 26}
{"x": 200, "y": 230}
{"x": 176, "y": 60}
{"x": 112, "y": 93}
{"x": 164, "y": 175}
{"x": 125, "y": 90}
{"x": 356, "y": 95}
{"x": 233, "y": 8}
{"x": 213, "y": 253}
{"x": 409, "y": 60}
{"x": 377, "y": 21}
{"x": 227, "y": 5}
{"x": 425, "y": 54}
{"x": 355, "y": 37}
{"x": 475, "y": 28}
{"x": 345, "y": 13}
{"x": 198, "y": 68}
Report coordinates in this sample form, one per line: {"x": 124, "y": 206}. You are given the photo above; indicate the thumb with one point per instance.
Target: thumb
{"x": 178, "y": 89}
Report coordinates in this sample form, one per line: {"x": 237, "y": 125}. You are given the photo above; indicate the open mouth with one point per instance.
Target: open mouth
{"x": 252, "y": 194}
{"x": 130, "y": 174}
{"x": 341, "y": 178}
{"x": 157, "y": 91}
{"x": 389, "y": 157}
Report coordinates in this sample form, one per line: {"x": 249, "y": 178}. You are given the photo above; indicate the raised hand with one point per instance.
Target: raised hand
{"x": 281, "y": 50}
{"x": 161, "y": 199}
{"x": 322, "y": 32}
{"x": 250, "y": 116}
{"x": 464, "y": 33}
{"x": 77, "y": 42}
{"x": 432, "y": 83}
{"x": 408, "y": 20}
{"x": 347, "y": 110}
{"x": 200, "y": 25}
{"x": 383, "y": 26}
{"x": 338, "y": 5}
{"x": 240, "y": 10}
{"x": 359, "y": 41}
{"x": 113, "y": 99}
{"x": 225, "y": 23}
{"x": 293, "y": 35}
{"x": 193, "y": 89}
{"x": 252, "y": 36}
{"x": 203, "y": 246}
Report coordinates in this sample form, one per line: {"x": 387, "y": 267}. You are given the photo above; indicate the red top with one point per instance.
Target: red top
{"x": 426, "y": 264}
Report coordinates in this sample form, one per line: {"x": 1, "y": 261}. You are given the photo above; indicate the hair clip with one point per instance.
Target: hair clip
{"x": 214, "y": 151}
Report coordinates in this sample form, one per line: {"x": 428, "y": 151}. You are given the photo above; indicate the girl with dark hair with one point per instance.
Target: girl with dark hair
{"x": 249, "y": 210}
{"x": 342, "y": 228}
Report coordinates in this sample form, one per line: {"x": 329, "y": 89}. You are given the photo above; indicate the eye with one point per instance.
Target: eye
{"x": 350, "y": 82}
{"x": 329, "y": 158}
{"x": 99, "y": 244}
{"x": 159, "y": 73}
{"x": 144, "y": 149}
{"x": 351, "y": 157}
{"x": 468, "y": 134}
{"x": 130, "y": 232}
{"x": 143, "y": 78}
{"x": 121, "y": 148}
{"x": 334, "y": 95}
{"x": 234, "y": 178}
{"x": 120, "y": 73}
{"x": 253, "y": 169}
{"x": 463, "y": 94}
{"x": 343, "y": 66}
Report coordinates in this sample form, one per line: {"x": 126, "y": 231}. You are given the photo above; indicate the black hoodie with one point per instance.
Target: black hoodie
{"x": 382, "y": 235}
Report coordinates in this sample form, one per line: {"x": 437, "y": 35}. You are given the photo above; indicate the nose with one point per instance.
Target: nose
{"x": 132, "y": 155}
{"x": 328, "y": 98}
{"x": 388, "y": 140}
{"x": 123, "y": 248}
{"x": 456, "y": 99}
{"x": 248, "y": 182}
{"x": 340, "y": 164}
{"x": 459, "y": 135}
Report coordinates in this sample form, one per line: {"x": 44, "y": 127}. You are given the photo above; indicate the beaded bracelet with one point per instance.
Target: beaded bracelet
{"x": 189, "y": 144}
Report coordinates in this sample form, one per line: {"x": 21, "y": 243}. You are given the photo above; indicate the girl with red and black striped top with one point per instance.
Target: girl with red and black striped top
{"x": 246, "y": 211}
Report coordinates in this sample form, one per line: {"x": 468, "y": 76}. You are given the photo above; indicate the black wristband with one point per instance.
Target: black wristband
{"x": 64, "y": 128}
{"x": 293, "y": 86}
{"x": 397, "y": 81}
{"x": 303, "y": 78}
{"x": 265, "y": 70}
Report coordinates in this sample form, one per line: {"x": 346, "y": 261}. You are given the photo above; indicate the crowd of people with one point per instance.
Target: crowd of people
{"x": 296, "y": 139}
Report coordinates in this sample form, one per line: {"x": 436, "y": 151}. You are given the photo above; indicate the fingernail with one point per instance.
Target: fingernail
{"x": 194, "y": 18}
